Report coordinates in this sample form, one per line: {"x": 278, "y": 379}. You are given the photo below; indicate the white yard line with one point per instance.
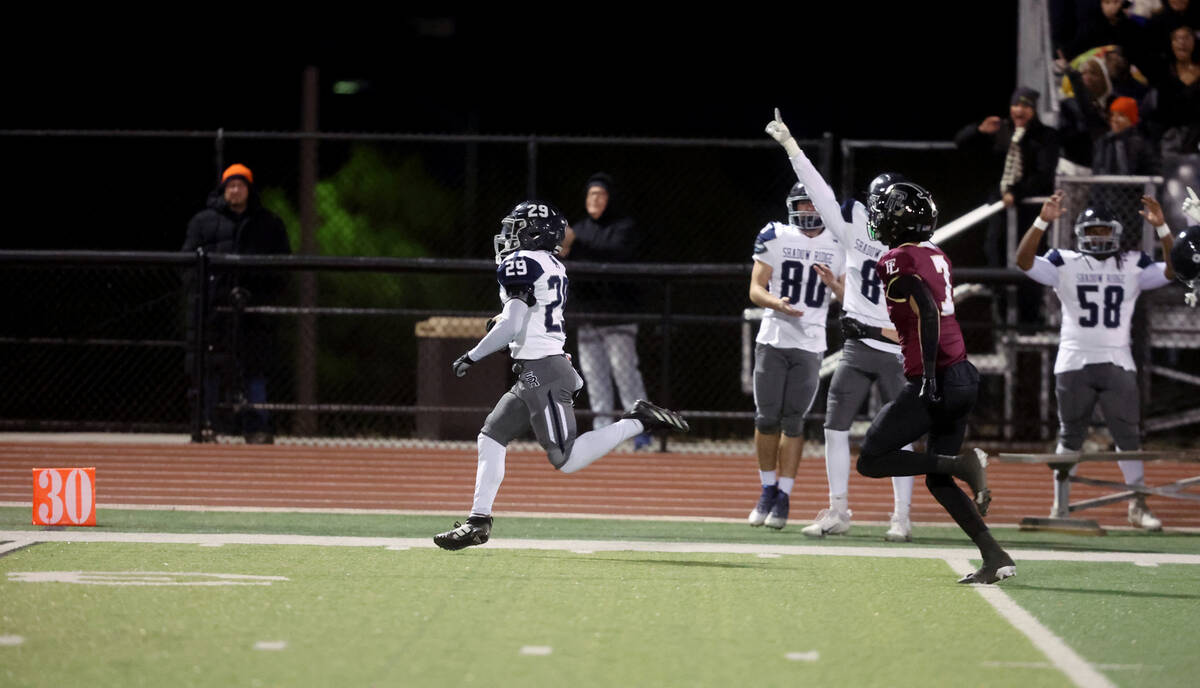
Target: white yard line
{"x": 957, "y": 553}
{"x": 1077, "y": 669}
{"x": 10, "y": 546}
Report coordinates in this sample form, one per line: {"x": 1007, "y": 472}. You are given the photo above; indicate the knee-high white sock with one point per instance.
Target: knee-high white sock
{"x": 1133, "y": 471}
{"x": 837, "y": 465}
{"x": 488, "y": 475}
{"x": 768, "y": 478}
{"x": 902, "y": 487}
{"x": 592, "y": 445}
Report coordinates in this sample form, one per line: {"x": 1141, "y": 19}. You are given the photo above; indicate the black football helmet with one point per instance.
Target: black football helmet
{"x": 902, "y": 213}
{"x": 1185, "y": 255}
{"x": 881, "y": 182}
{"x": 806, "y": 220}
{"x": 1097, "y": 244}
{"x": 532, "y": 226}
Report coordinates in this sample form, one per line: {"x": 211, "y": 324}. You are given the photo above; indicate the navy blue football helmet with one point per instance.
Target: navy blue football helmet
{"x": 531, "y": 226}
{"x": 902, "y": 213}
{"x": 1097, "y": 244}
{"x": 1185, "y": 255}
{"x": 806, "y": 220}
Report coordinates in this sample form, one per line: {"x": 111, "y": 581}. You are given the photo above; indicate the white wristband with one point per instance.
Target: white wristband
{"x": 1040, "y": 223}
{"x": 1162, "y": 230}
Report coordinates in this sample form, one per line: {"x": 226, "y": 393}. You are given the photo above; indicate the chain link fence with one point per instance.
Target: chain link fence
{"x": 344, "y": 348}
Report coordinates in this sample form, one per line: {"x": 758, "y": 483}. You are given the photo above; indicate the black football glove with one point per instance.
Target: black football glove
{"x": 853, "y": 329}
{"x": 931, "y": 394}
{"x": 461, "y": 364}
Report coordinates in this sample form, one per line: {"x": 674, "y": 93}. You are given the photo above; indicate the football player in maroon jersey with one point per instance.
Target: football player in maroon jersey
{"x": 942, "y": 383}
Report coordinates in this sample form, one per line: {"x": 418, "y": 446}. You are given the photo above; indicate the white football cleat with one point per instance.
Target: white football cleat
{"x": 1140, "y": 516}
{"x": 900, "y": 530}
{"x": 829, "y": 522}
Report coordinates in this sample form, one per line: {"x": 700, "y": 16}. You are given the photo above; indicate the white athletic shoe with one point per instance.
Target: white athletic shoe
{"x": 1140, "y": 516}
{"x": 829, "y": 522}
{"x": 900, "y": 530}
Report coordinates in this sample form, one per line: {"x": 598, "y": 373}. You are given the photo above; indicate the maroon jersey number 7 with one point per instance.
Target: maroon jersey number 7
{"x": 927, "y": 262}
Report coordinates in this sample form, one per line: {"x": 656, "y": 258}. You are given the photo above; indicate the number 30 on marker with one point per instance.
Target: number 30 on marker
{"x": 64, "y": 496}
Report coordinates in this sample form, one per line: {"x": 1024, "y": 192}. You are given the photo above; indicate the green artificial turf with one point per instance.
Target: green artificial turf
{"x": 423, "y": 617}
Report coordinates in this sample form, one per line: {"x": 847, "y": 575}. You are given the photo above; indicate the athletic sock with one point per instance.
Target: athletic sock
{"x": 988, "y": 547}
{"x": 488, "y": 475}
{"x": 785, "y": 485}
{"x": 768, "y": 478}
{"x": 902, "y": 487}
{"x": 837, "y": 462}
{"x": 956, "y": 503}
{"x": 592, "y": 445}
{"x": 1133, "y": 471}
{"x": 839, "y": 503}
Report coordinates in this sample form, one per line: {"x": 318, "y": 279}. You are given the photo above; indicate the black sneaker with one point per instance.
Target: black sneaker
{"x": 994, "y": 570}
{"x": 655, "y": 417}
{"x": 971, "y": 468}
{"x": 474, "y": 532}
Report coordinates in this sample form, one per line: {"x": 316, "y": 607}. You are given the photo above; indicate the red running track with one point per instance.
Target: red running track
{"x": 643, "y": 484}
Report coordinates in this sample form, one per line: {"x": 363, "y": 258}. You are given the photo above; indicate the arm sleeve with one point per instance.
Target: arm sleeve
{"x": 909, "y": 285}
{"x": 505, "y": 330}
{"x": 822, "y": 195}
{"x": 1044, "y": 271}
{"x": 970, "y": 137}
{"x": 1153, "y": 277}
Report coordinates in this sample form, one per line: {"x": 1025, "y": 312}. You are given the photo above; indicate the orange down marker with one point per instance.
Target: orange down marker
{"x": 64, "y": 496}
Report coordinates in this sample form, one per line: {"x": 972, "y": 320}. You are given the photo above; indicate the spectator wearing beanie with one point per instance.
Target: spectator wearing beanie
{"x": 1123, "y": 150}
{"x": 240, "y": 347}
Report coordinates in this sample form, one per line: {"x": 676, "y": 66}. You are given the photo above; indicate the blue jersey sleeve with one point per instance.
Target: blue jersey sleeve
{"x": 1145, "y": 261}
{"x": 517, "y": 276}
{"x": 1054, "y": 257}
{"x": 760, "y": 241}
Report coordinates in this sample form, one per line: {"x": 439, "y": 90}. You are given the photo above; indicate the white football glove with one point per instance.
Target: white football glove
{"x": 1191, "y": 206}
{"x": 1190, "y": 297}
{"x": 777, "y": 130}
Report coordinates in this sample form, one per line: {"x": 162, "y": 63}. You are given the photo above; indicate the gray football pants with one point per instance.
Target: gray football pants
{"x": 608, "y": 353}
{"x": 861, "y": 366}
{"x": 785, "y": 385}
{"x": 544, "y": 399}
{"x": 1117, "y": 392}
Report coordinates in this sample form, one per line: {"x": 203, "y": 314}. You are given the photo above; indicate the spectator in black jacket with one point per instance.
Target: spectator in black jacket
{"x": 1025, "y": 153}
{"x": 1024, "y": 150}
{"x": 607, "y": 350}
{"x": 239, "y": 348}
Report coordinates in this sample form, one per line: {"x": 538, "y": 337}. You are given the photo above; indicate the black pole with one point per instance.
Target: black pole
{"x": 664, "y": 373}
{"x": 200, "y": 419}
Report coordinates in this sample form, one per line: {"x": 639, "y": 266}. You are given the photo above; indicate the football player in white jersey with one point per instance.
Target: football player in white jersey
{"x": 1098, "y": 286}
{"x": 533, "y": 290}
{"x": 871, "y": 353}
{"x": 796, "y": 267}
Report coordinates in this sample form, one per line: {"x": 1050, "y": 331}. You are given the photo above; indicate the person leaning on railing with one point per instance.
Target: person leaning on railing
{"x": 240, "y": 349}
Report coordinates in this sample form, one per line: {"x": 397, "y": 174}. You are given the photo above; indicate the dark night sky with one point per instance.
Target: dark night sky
{"x": 859, "y": 70}
{"x": 912, "y": 71}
